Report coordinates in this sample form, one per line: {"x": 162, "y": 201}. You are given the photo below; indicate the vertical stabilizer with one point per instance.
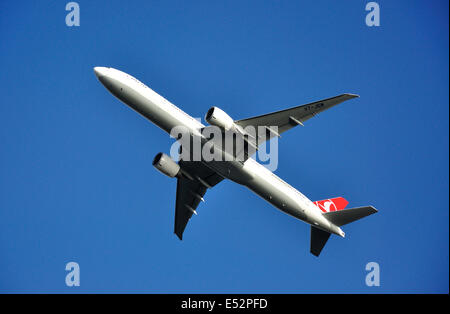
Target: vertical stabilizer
{"x": 318, "y": 240}
{"x": 331, "y": 204}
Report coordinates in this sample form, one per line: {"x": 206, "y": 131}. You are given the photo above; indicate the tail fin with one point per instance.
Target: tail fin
{"x": 318, "y": 240}
{"x": 339, "y": 218}
{"x": 343, "y": 217}
{"x": 331, "y": 204}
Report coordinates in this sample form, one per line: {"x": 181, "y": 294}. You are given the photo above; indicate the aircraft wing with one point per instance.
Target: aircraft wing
{"x": 289, "y": 118}
{"x": 190, "y": 191}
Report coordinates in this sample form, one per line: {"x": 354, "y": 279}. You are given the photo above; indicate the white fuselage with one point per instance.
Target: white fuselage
{"x": 250, "y": 173}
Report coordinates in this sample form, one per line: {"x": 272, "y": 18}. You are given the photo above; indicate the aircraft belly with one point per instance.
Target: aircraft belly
{"x": 151, "y": 111}
{"x": 277, "y": 198}
{"x": 145, "y": 104}
{"x": 261, "y": 183}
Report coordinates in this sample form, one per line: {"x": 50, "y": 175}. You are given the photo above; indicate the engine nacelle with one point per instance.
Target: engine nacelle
{"x": 166, "y": 165}
{"x": 218, "y": 117}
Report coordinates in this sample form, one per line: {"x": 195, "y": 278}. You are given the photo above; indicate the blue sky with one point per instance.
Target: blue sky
{"x": 76, "y": 180}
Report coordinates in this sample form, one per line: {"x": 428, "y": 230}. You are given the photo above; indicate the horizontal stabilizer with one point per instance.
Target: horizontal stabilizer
{"x": 318, "y": 240}
{"x": 346, "y": 216}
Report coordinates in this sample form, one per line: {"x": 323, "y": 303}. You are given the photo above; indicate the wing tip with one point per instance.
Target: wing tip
{"x": 350, "y": 95}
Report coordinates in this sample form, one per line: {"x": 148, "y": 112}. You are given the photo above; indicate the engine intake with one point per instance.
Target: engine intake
{"x": 218, "y": 117}
{"x": 166, "y": 165}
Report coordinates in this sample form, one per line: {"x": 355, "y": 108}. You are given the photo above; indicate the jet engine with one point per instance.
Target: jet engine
{"x": 218, "y": 117}
{"x": 166, "y": 165}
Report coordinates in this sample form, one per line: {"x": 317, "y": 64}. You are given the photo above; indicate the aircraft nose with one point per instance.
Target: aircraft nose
{"x": 100, "y": 71}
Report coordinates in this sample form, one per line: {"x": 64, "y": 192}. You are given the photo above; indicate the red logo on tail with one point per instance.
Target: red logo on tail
{"x": 332, "y": 204}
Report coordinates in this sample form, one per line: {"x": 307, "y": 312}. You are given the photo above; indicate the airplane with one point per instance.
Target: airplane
{"x": 195, "y": 177}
